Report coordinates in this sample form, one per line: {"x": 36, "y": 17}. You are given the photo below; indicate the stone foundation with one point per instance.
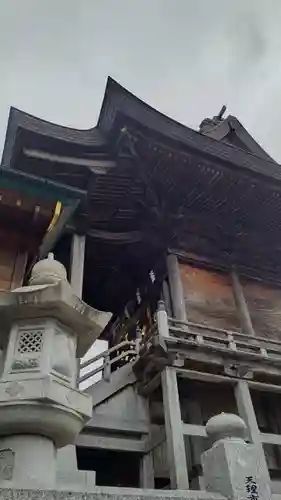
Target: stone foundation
{"x": 108, "y": 494}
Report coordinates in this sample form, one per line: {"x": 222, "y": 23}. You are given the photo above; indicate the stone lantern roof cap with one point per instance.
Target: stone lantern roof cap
{"x": 226, "y": 425}
{"x": 47, "y": 272}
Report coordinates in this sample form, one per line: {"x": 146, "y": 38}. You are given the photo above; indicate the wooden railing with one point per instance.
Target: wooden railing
{"x": 189, "y": 333}
{"x": 131, "y": 349}
{"x": 222, "y": 340}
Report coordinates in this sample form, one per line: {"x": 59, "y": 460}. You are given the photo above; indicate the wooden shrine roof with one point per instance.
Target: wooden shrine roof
{"x": 151, "y": 184}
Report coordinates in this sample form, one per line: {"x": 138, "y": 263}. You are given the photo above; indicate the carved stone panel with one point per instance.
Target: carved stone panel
{"x": 7, "y": 460}
{"x": 28, "y": 348}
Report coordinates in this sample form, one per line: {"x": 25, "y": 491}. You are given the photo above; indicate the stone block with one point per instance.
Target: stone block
{"x": 107, "y": 494}
{"x": 68, "y": 477}
{"x": 44, "y": 406}
{"x": 237, "y": 470}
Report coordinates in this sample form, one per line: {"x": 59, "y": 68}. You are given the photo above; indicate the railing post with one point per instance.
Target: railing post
{"x": 231, "y": 342}
{"x": 138, "y": 340}
{"x": 162, "y": 320}
{"x": 106, "y": 373}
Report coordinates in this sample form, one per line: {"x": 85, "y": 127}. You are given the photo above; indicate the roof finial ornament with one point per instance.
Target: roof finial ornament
{"x": 221, "y": 113}
{"x": 208, "y": 123}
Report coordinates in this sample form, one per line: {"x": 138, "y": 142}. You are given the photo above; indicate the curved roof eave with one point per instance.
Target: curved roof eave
{"x": 20, "y": 120}
{"x": 118, "y": 100}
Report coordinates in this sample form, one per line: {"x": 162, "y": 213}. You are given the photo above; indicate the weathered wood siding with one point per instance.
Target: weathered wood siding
{"x": 12, "y": 261}
{"x": 264, "y": 304}
{"x": 7, "y": 265}
{"x": 209, "y": 298}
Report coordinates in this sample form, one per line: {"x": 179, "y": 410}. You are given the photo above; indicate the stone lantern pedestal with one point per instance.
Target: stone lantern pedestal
{"x": 44, "y": 328}
{"x": 235, "y": 469}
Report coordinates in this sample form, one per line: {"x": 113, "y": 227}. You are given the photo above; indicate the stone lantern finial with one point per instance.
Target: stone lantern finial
{"x": 226, "y": 425}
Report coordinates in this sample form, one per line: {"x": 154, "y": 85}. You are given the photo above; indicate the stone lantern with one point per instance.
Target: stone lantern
{"x": 44, "y": 328}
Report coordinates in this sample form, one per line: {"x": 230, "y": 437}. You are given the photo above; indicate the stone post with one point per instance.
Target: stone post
{"x": 44, "y": 327}
{"x": 232, "y": 467}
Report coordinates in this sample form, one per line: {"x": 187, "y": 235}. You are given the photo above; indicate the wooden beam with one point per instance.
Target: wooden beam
{"x": 174, "y": 434}
{"x": 270, "y": 438}
{"x": 110, "y": 443}
{"x": 19, "y": 270}
{"x": 204, "y": 377}
{"x": 100, "y": 421}
{"x": 176, "y": 289}
{"x": 156, "y": 438}
{"x": 77, "y": 264}
{"x": 213, "y": 378}
{"x": 96, "y": 165}
{"x": 194, "y": 430}
{"x": 51, "y": 238}
{"x": 241, "y": 305}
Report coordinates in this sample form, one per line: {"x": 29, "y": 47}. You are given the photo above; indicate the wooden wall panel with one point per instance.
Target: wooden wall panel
{"x": 264, "y": 304}
{"x": 13, "y": 258}
{"x": 7, "y": 264}
{"x": 209, "y": 298}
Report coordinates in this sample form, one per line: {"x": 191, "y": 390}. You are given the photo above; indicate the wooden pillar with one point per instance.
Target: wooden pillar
{"x": 19, "y": 270}
{"x": 166, "y": 297}
{"x": 147, "y": 471}
{"x": 77, "y": 263}
{"x": 176, "y": 289}
{"x": 246, "y": 410}
{"x": 77, "y": 259}
{"x": 174, "y": 433}
{"x": 241, "y": 305}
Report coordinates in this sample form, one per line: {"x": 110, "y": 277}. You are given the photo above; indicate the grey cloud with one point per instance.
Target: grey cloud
{"x": 183, "y": 57}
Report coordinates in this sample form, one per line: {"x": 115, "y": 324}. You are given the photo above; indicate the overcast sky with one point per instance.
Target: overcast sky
{"x": 184, "y": 57}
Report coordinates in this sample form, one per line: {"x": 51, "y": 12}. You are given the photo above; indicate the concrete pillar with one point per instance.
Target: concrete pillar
{"x": 232, "y": 467}
{"x": 176, "y": 289}
{"x": 28, "y": 460}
